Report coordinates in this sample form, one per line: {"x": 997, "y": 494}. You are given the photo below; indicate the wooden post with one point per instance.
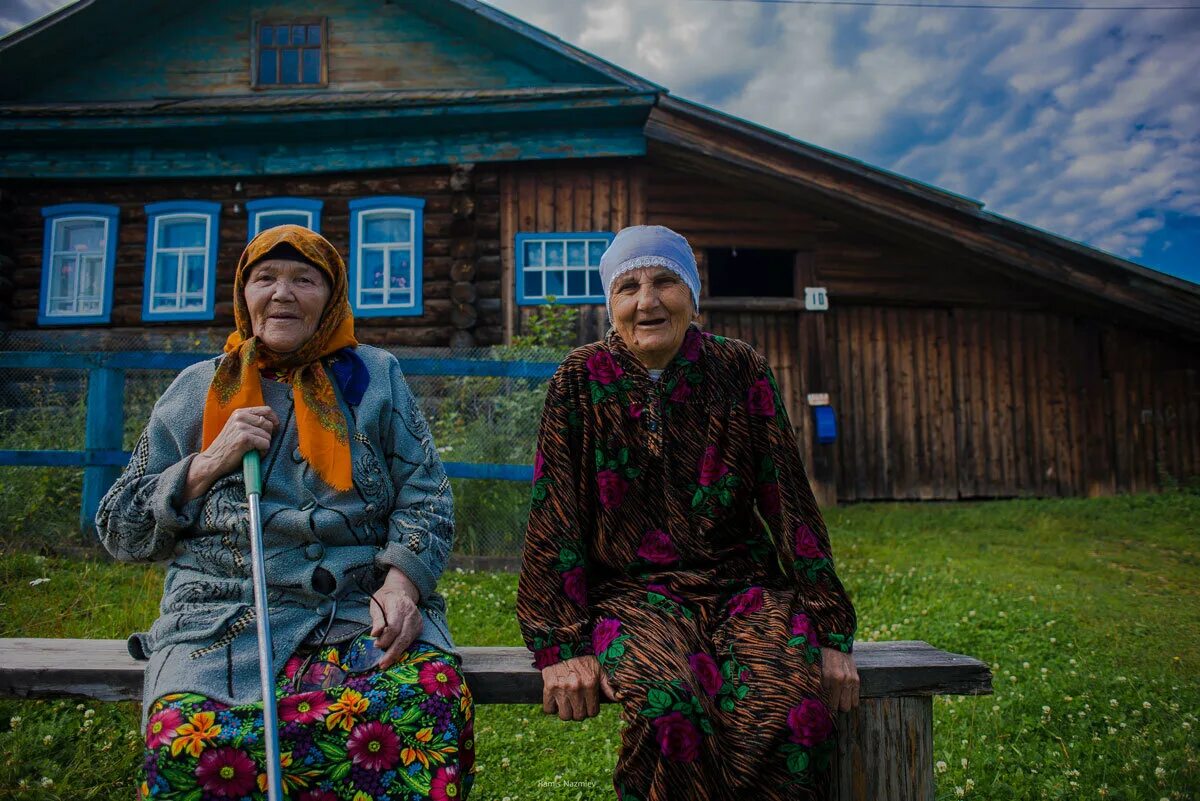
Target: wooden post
{"x": 816, "y": 376}
{"x": 885, "y": 750}
{"x": 105, "y": 426}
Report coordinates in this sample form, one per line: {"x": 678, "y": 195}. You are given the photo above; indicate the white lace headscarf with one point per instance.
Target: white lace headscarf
{"x": 647, "y": 246}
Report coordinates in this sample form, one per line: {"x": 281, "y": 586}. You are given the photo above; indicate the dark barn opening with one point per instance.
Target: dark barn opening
{"x": 750, "y": 273}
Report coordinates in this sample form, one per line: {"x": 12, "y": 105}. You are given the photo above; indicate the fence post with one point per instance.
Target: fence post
{"x": 105, "y": 428}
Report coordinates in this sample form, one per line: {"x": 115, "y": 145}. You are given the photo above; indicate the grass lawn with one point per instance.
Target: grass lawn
{"x": 1087, "y": 610}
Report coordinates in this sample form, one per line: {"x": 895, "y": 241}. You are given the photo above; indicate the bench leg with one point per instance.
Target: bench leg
{"x": 885, "y": 751}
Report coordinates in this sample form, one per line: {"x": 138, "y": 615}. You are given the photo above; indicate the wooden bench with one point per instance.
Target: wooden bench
{"x": 885, "y": 747}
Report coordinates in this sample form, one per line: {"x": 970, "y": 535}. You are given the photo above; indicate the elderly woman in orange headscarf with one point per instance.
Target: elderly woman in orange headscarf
{"x": 357, "y": 526}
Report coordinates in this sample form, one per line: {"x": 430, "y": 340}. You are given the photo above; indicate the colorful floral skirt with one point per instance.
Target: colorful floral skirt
{"x": 394, "y": 735}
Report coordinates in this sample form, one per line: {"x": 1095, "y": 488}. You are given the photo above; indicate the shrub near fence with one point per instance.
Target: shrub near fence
{"x": 484, "y": 425}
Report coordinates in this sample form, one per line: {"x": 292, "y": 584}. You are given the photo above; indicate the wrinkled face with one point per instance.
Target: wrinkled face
{"x": 651, "y": 309}
{"x": 286, "y": 299}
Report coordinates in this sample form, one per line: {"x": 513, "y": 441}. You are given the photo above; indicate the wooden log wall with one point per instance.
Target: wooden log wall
{"x": 596, "y": 195}
{"x": 460, "y": 225}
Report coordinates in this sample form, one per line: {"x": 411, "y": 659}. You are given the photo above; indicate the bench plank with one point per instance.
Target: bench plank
{"x": 103, "y": 669}
{"x": 884, "y": 750}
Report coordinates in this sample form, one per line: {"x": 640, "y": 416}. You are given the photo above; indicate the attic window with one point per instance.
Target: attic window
{"x": 288, "y": 54}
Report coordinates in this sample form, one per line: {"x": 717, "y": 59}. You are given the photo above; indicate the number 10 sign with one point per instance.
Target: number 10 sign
{"x": 816, "y": 298}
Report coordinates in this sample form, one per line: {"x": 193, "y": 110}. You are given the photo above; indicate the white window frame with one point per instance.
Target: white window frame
{"x": 360, "y": 211}
{"x": 256, "y": 210}
{"x": 56, "y": 216}
{"x": 156, "y": 215}
{"x": 564, "y": 238}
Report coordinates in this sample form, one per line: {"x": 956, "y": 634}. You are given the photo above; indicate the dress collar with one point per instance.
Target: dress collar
{"x": 691, "y": 351}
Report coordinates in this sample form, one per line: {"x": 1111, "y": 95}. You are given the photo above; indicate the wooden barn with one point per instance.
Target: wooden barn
{"x": 469, "y": 165}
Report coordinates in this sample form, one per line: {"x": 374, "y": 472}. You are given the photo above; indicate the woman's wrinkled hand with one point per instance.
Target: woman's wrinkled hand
{"x": 246, "y": 429}
{"x": 839, "y": 680}
{"x": 395, "y": 619}
{"x": 572, "y": 688}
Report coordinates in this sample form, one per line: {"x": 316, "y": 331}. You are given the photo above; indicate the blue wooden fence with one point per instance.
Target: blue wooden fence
{"x": 103, "y": 458}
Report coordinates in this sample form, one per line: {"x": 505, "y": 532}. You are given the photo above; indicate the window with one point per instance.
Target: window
{"x": 751, "y": 273}
{"x": 565, "y": 266}
{"x": 385, "y": 256}
{"x": 181, "y": 260}
{"x": 275, "y": 211}
{"x": 289, "y": 53}
{"x": 79, "y": 251}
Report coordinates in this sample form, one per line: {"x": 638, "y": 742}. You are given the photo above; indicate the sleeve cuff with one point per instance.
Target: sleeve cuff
{"x": 839, "y": 642}
{"x": 169, "y": 515}
{"x": 557, "y": 652}
{"x": 410, "y": 564}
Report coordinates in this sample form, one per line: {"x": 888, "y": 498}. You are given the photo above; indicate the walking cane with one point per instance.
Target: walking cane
{"x": 266, "y": 669}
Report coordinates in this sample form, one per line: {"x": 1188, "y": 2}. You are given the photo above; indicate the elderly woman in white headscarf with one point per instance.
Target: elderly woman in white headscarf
{"x": 675, "y": 558}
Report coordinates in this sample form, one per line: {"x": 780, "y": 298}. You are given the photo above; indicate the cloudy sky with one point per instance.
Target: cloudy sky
{"x": 1084, "y": 123}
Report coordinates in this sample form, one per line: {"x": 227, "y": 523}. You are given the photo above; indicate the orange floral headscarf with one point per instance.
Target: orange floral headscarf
{"x": 320, "y": 424}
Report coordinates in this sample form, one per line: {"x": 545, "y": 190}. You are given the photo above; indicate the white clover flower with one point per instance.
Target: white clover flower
{"x": 1026, "y": 665}
{"x": 964, "y": 763}
{"x": 1160, "y": 772}
{"x": 46, "y": 781}
{"x": 14, "y": 721}
{"x": 1145, "y": 704}
{"x": 49, "y": 738}
{"x": 941, "y": 766}
{"x": 960, "y": 792}
{"x": 1045, "y": 710}
{"x": 89, "y": 713}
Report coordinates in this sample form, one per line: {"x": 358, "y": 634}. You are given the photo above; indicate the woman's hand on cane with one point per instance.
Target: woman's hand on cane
{"x": 246, "y": 429}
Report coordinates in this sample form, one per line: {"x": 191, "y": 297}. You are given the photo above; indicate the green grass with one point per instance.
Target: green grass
{"x": 1087, "y": 610}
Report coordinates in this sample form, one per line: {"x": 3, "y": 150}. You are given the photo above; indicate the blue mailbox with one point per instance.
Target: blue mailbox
{"x": 826, "y": 424}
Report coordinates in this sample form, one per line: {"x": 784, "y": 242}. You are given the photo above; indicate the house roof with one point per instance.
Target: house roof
{"x": 1159, "y": 299}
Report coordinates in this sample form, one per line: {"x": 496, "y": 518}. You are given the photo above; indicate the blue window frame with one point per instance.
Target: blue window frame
{"x": 181, "y": 260}
{"x": 563, "y": 266}
{"x": 385, "y": 256}
{"x": 275, "y": 211}
{"x": 79, "y": 253}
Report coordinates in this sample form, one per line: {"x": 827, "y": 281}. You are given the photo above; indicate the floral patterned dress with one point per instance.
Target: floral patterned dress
{"x": 400, "y": 734}
{"x": 674, "y": 535}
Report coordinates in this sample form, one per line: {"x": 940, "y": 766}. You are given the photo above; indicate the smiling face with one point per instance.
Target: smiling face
{"x": 286, "y": 299}
{"x": 651, "y": 310}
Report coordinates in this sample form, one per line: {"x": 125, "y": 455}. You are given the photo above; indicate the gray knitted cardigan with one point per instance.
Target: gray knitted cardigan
{"x": 322, "y": 547}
